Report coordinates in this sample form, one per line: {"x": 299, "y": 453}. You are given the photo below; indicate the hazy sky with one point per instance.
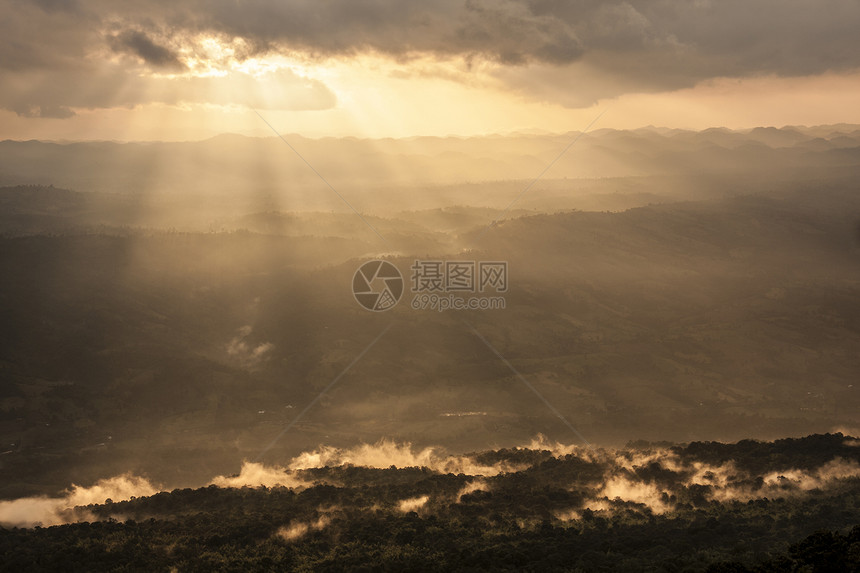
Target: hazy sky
{"x": 188, "y": 69}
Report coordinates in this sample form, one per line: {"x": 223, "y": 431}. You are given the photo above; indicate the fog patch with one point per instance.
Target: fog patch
{"x": 247, "y": 352}
{"x": 386, "y": 453}
{"x": 255, "y": 474}
{"x": 598, "y": 505}
{"x": 471, "y": 487}
{"x": 412, "y": 503}
{"x": 567, "y": 515}
{"x": 298, "y": 529}
{"x": 46, "y": 511}
{"x": 624, "y": 489}
{"x": 791, "y": 482}
{"x": 557, "y": 449}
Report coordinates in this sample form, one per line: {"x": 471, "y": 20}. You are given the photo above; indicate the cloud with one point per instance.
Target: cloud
{"x": 725, "y": 37}
{"x": 60, "y": 57}
{"x": 139, "y": 44}
{"x": 56, "y": 94}
{"x": 57, "y": 56}
{"x": 505, "y": 31}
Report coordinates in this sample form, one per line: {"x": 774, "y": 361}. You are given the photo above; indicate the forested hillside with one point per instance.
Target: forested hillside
{"x": 789, "y": 505}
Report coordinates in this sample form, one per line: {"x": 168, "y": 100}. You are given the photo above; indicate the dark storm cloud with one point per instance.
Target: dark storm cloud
{"x": 56, "y": 57}
{"x": 504, "y": 31}
{"x": 139, "y": 44}
{"x": 696, "y": 37}
{"x": 597, "y": 48}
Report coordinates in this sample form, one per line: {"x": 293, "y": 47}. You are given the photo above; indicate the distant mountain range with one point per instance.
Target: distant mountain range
{"x": 375, "y": 173}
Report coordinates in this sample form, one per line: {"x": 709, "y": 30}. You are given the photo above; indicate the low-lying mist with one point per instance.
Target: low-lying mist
{"x": 660, "y": 478}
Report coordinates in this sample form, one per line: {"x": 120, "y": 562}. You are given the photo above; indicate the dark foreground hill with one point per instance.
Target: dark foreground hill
{"x": 788, "y": 505}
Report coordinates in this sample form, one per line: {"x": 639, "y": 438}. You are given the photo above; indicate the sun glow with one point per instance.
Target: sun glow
{"x": 211, "y": 56}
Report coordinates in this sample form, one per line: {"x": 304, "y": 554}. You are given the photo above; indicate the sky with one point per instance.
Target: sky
{"x": 191, "y": 69}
